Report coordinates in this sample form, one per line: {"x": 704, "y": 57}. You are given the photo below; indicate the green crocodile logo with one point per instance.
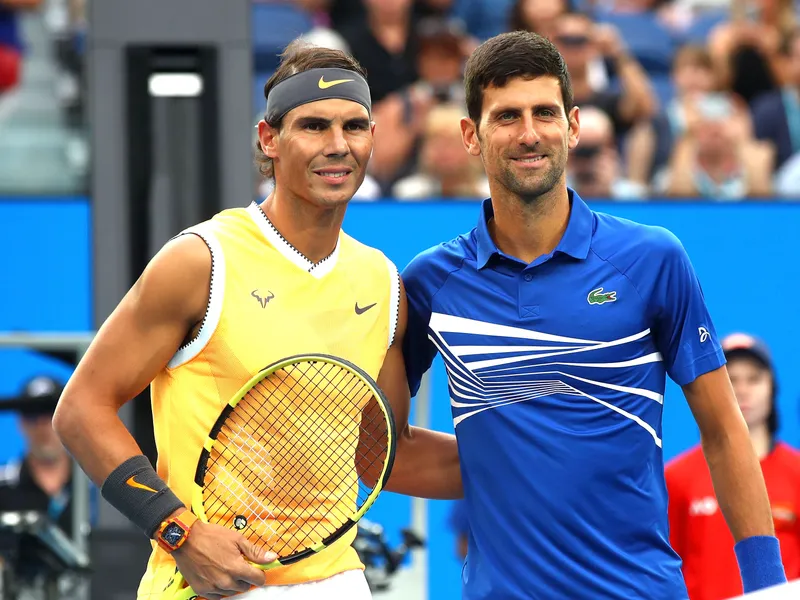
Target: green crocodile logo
{"x": 598, "y": 296}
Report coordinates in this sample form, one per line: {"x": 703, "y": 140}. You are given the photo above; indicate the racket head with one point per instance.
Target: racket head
{"x": 298, "y": 456}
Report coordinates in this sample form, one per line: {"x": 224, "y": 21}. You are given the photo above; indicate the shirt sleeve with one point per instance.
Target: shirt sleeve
{"x": 418, "y": 350}
{"x": 683, "y": 330}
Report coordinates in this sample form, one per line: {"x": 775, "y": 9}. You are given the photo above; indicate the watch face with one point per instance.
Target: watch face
{"x": 173, "y": 534}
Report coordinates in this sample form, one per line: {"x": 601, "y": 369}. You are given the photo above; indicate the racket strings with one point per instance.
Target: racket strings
{"x": 297, "y": 483}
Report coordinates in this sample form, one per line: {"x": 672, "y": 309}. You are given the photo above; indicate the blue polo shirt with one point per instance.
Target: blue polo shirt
{"x": 556, "y": 374}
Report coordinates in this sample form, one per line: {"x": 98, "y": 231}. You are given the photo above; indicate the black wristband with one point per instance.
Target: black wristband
{"x": 135, "y": 489}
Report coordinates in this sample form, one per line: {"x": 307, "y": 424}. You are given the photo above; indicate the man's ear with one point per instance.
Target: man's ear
{"x": 268, "y": 137}
{"x": 574, "y": 127}
{"x": 469, "y": 135}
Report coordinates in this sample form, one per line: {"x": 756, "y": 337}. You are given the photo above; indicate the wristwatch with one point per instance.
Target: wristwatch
{"x": 174, "y": 532}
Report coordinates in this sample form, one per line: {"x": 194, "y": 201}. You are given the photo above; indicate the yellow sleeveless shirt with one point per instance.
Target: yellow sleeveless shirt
{"x": 267, "y": 302}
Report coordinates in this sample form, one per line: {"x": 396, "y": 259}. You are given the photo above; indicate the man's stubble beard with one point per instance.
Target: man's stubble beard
{"x": 532, "y": 193}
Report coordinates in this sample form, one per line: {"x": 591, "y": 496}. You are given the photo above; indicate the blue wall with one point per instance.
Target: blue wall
{"x": 45, "y": 285}
{"x": 745, "y": 256}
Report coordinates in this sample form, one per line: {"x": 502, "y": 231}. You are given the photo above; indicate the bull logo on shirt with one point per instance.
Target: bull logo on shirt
{"x": 262, "y": 300}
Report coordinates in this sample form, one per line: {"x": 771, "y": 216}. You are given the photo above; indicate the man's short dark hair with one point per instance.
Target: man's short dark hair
{"x": 300, "y": 56}
{"x": 509, "y": 55}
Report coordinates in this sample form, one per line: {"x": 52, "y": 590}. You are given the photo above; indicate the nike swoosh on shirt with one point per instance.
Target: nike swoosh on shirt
{"x": 361, "y": 311}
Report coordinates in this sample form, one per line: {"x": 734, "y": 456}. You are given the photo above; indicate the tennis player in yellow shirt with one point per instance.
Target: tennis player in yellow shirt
{"x": 231, "y": 295}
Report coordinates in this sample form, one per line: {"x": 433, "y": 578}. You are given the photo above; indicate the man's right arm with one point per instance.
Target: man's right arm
{"x": 132, "y": 346}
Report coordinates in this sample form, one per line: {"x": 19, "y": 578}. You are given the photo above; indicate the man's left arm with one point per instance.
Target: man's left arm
{"x": 426, "y": 462}
{"x": 687, "y": 340}
{"x": 738, "y": 481}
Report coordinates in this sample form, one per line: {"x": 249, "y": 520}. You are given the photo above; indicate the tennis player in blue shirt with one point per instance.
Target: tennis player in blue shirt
{"x": 557, "y": 326}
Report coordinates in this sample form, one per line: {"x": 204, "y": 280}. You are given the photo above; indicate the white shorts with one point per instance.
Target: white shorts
{"x": 350, "y": 585}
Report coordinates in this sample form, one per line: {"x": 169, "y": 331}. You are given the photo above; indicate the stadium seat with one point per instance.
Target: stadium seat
{"x": 275, "y": 25}
{"x": 697, "y": 33}
{"x": 648, "y": 40}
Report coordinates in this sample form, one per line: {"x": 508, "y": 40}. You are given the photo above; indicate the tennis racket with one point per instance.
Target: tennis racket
{"x": 295, "y": 459}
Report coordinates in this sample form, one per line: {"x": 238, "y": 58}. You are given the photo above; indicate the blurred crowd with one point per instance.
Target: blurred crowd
{"x": 678, "y": 98}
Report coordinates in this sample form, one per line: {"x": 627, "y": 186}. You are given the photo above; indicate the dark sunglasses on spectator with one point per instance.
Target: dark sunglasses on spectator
{"x": 587, "y": 151}
{"x": 572, "y": 40}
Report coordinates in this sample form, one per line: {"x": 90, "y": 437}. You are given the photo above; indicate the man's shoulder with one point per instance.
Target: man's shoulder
{"x": 364, "y": 256}
{"x": 431, "y": 267}
{"x": 623, "y": 241}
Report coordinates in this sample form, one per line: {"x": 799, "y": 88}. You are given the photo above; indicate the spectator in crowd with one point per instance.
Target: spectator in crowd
{"x": 385, "y": 44}
{"x": 537, "y": 16}
{"x": 698, "y": 532}
{"x": 776, "y": 114}
{"x": 594, "y": 168}
{"x": 661, "y": 11}
{"x": 632, "y": 108}
{"x": 402, "y": 116}
{"x": 445, "y": 168}
{"x": 483, "y": 18}
{"x": 717, "y": 157}
{"x": 542, "y": 17}
{"x": 746, "y": 49}
{"x": 346, "y": 13}
{"x": 10, "y": 41}
{"x": 444, "y": 44}
{"x": 40, "y": 480}
{"x": 692, "y": 77}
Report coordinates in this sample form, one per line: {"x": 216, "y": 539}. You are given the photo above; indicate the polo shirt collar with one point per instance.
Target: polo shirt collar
{"x": 575, "y": 242}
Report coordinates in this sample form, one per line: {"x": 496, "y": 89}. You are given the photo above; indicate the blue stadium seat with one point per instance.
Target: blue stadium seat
{"x": 275, "y": 25}
{"x": 702, "y": 26}
{"x": 647, "y": 39}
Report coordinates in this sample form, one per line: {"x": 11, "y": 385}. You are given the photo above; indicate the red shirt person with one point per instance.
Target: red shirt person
{"x": 698, "y": 532}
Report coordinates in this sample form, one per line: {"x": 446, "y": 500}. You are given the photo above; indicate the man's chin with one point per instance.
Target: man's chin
{"x": 333, "y": 198}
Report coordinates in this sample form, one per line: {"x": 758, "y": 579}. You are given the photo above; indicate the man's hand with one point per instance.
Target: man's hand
{"x": 213, "y": 560}
{"x": 608, "y": 40}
